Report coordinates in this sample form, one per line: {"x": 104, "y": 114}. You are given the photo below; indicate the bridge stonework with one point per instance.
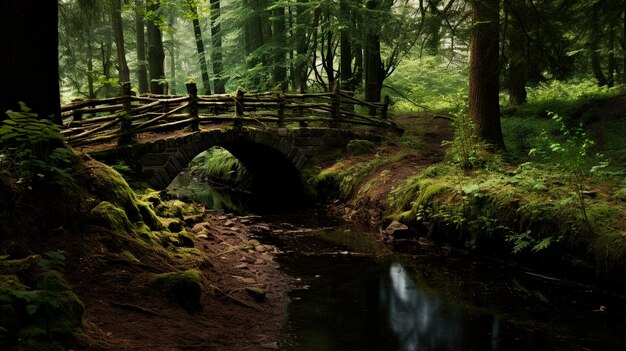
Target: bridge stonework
{"x": 159, "y": 162}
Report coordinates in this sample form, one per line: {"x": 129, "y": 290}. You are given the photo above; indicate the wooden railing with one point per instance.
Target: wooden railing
{"x": 122, "y": 118}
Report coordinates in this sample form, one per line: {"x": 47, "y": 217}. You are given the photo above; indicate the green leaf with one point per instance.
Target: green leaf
{"x": 32, "y": 309}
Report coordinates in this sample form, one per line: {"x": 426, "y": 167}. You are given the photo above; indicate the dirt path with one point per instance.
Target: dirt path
{"x": 124, "y": 313}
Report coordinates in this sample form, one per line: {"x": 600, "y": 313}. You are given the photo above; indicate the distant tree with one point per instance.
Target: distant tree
{"x": 197, "y": 30}
{"x": 216, "y": 48}
{"x": 118, "y": 34}
{"x": 140, "y": 28}
{"x": 29, "y": 61}
{"x": 484, "y": 85}
{"x": 156, "y": 55}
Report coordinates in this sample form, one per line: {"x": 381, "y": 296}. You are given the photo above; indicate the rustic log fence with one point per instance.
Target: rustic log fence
{"x": 122, "y": 118}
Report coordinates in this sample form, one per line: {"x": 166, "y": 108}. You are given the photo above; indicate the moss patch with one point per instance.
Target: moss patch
{"x": 184, "y": 288}
{"x": 360, "y": 147}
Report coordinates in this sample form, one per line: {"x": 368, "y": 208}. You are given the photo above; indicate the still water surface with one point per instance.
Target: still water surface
{"x": 353, "y": 293}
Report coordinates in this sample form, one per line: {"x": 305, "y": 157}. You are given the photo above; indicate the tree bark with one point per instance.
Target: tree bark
{"x": 172, "y": 59}
{"x": 596, "y": 65}
{"x": 118, "y": 34}
{"x": 345, "y": 50}
{"x": 374, "y": 74}
{"x": 142, "y": 72}
{"x": 156, "y": 56}
{"x": 29, "y": 61}
{"x": 624, "y": 48}
{"x": 301, "y": 48}
{"x": 197, "y": 31}
{"x": 484, "y": 88}
{"x": 612, "y": 63}
{"x": 279, "y": 33}
{"x": 216, "y": 49}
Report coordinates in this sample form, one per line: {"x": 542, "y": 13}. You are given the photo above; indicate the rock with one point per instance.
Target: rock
{"x": 242, "y": 266}
{"x": 184, "y": 288}
{"x": 260, "y": 248}
{"x": 359, "y": 146}
{"x": 229, "y": 223}
{"x": 397, "y": 230}
{"x": 193, "y": 219}
{"x": 184, "y": 240}
{"x": 175, "y": 226}
{"x": 257, "y": 294}
{"x": 199, "y": 227}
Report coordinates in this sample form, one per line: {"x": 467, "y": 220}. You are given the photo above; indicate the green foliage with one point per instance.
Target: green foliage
{"x": 50, "y": 309}
{"x": 219, "y": 165}
{"x": 467, "y": 150}
{"x": 359, "y": 146}
{"x": 33, "y": 149}
{"x": 430, "y": 83}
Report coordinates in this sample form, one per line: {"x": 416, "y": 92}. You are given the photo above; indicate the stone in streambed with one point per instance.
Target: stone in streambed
{"x": 257, "y": 294}
{"x": 397, "y": 230}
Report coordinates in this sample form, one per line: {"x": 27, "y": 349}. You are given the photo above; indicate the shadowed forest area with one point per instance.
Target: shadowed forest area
{"x": 312, "y": 175}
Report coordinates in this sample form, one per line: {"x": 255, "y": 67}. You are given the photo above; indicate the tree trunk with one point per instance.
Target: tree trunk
{"x": 216, "y": 49}
{"x": 279, "y": 33}
{"x": 90, "y": 73}
{"x": 172, "y": 59}
{"x": 374, "y": 74}
{"x": 118, "y": 34}
{"x": 624, "y": 48}
{"x": 345, "y": 50}
{"x": 301, "y": 48}
{"x": 29, "y": 61}
{"x": 156, "y": 56}
{"x": 197, "y": 31}
{"x": 484, "y": 88}
{"x": 253, "y": 39}
{"x": 596, "y": 65}
{"x": 612, "y": 63}
{"x": 433, "y": 28}
{"x": 142, "y": 72}
{"x": 517, "y": 73}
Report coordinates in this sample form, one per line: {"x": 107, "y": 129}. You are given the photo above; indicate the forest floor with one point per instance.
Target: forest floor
{"x": 123, "y": 311}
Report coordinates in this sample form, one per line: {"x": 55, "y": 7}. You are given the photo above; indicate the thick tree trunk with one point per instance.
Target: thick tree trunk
{"x": 118, "y": 34}
{"x": 301, "y": 49}
{"x": 197, "y": 31}
{"x": 596, "y": 65}
{"x": 517, "y": 73}
{"x": 142, "y": 72}
{"x": 612, "y": 63}
{"x": 433, "y": 28}
{"x": 345, "y": 50}
{"x": 216, "y": 49}
{"x": 484, "y": 88}
{"x": 253, "y": 38}
{"x": 624, "y": 48}
{"x": 279, "y": 32}
{"x": 374, "y": 74}
{"x": 29, "y": 60}
{"x": 156, "y": 56}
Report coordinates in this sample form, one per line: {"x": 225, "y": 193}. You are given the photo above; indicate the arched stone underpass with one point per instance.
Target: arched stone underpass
{"x": 275, "y": 157}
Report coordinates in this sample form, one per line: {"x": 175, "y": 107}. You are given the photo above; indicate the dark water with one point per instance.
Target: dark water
{"x": 353, "y": 293}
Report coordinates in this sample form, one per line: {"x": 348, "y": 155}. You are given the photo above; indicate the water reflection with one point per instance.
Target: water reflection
{"x": 421, "y": 321}
{"x": 418, "y": 320}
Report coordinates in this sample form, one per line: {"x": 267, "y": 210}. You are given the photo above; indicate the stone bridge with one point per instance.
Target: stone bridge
{"x": 273, "y": 156}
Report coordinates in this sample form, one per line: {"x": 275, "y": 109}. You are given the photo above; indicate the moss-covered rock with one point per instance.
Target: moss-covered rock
{"x": 359, "y": 147}
{"x": 108, "y": 185}
{"x": 109, "y": 216}
{"x": 184, "y": 288}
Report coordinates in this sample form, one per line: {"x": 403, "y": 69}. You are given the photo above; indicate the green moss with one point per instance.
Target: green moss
{"x": 109, "y": 216}
{"x": 176, "y": 209}
{"x": 219, "y": 164}
{"x": 620, "y": 194}
{"x": 108, "y": 185}
{"x": 149, "y": 216}
{"x": 359, "y": 147}
{"x": 184, "y": 288}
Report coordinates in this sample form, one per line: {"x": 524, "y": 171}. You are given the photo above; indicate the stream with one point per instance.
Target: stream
{"x": 353, "y": 293}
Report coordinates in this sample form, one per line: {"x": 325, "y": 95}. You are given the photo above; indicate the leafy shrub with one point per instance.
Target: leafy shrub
{"x": 467, "y": 150}
{"x": 33, "y": 149}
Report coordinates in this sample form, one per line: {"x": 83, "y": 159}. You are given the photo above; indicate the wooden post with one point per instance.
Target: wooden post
{"x": 126, "y": 122}
{"x": 281, "y": 108}
{"x": 239, "y": 106}
{"x": 77, "y": 116}
{"x": 383, "y": 111}
{"x": 192, "y": 90}
{"x": 336, "y": 105}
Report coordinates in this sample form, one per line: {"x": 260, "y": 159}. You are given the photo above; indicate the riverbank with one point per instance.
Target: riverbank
{"x": 533, "y": 213}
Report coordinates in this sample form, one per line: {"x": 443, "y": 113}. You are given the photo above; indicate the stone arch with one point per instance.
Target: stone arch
{"x": 161, "y": 161}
